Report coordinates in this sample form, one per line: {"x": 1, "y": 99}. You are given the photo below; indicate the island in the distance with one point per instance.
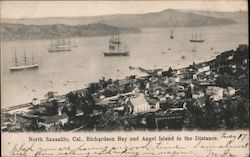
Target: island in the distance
{"x": 11, "y": 31}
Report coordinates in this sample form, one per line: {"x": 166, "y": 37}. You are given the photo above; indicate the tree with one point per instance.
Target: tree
{"x": 110, "y": 121}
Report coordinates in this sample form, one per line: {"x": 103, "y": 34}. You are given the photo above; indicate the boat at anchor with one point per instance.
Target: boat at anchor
{"x": 25, "y": 66}
{"x": 197, "y": 39}
{"x": 60, "y": 46}
{"x": 115, "y": 48}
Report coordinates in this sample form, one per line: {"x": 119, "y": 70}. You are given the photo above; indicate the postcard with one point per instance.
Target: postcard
{"x": 125, "y": 78}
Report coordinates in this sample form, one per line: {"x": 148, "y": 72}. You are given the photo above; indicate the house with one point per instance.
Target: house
{"x": 180, "y": 94}
{"x": 174, "y": 79}
{"x": 216, "y": 93}
{"x": 245, "y": 61}
{"x": 177, "y": 79}
{"x": 203, "y": 68}
{"x": 208, "y": 73}
{"x": 229, "y": 91}
{"x": 35, "y": 102}
{"x": 140, "y": 104}
{"x": 194, "y": 77}
{"x": 230, "y": 57}
{"x": 198, "y": 94}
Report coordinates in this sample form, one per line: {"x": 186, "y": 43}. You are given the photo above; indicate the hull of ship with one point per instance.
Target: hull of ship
{"x": 113, "y": 54}
{"x": 59, "y": 50}
{"x": 19, "y": 68}
{"x": 197, "y": 41}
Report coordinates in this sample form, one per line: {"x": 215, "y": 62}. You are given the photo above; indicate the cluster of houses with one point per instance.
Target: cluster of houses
{"x": 158, "y": 99}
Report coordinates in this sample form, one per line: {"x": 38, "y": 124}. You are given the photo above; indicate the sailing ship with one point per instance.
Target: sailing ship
{"x": 25, "y": 66}
{"x": 171, "y": 34}
{"x": 115, "y": 47}
{"x": 196, "y": 39}
{"x": 60, "y": 46}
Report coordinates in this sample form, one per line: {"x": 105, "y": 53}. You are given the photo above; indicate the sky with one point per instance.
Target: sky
{"x": 34, "y": 9}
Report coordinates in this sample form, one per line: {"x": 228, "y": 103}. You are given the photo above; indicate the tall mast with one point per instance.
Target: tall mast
{"x": 25, "y": 58}
{"x": 110, "y": 40}
{"x": 118, "y": 46}
{"x": 15, "y": 59}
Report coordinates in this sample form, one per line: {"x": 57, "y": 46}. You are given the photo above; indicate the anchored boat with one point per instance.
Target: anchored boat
{"x": 115, "y": 48}
{"x": 197, "y": 39}
{"x": 171, "y": 34}
{"x": 60, "y": 46}
{"x": 25, "y": 66}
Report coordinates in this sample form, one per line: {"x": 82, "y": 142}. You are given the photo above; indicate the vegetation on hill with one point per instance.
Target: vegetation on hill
{"x": 23, "y": 32}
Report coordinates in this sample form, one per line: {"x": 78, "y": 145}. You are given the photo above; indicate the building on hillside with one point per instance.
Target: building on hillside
{"x": 140, "y": 105}
{"x": 215, "y": 93}
{"x": 203, "y": 68}
{"x": 198, "y": 94}
{"x": 229, "y": 91}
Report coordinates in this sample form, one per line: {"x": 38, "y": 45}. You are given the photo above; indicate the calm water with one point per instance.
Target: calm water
{"x": 67, "y": 71}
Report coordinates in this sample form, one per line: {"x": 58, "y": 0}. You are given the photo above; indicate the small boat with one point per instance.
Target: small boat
{"x": 196, "y": 39}
{"x": 171, "y": 34}
{"x": 171, "y": 29}
{"x": 115, "y": 48}
{"x": 25, "y": 66}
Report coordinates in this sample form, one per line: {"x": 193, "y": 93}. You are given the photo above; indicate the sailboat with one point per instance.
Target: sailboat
{"x": 60, "y": 46}
{"x": 171, "y": 29}
{"x": 115, "y": 48}
{"x": 196, "y": 39}
{"x": 171, "y": 34}
{"x": 25, "y": 66}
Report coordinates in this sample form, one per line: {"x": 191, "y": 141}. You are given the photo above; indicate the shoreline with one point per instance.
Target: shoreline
{"x": 28, "y": 104}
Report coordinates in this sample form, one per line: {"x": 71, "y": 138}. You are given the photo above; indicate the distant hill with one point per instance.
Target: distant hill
{"x": 240, "y": 17}
{"x": 22, "y": 32}
{"x": 165, "y": 18}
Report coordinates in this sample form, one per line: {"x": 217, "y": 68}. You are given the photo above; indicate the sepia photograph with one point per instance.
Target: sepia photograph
{"x": 95, "y": 66}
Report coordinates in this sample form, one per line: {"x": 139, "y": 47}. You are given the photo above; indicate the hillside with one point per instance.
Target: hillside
{"x": 240, "y": 17}
{"x": 165, "y": 18}
{"x": 22, "y": 32}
